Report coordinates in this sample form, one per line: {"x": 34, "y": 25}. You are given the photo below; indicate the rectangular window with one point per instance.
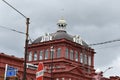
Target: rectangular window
{"x": 81, "y": 58}
{"x": 52, "y": 53}
{"x": 41, "y": 55}
{"x": 89, "y": 60}
{"x": 66, "y": 53}
{"x": 58, "y": 52}
{"x": 46, "y": 54}
{"x": 35, "y": 55}
{"x": 30, "y": 56}
{"x": 71, "y": 54}
{"x": 76, "y": 56}
{"x": 85, "y": 59}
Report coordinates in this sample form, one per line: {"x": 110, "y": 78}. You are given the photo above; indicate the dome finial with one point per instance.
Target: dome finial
{"x": 62, "y": 24}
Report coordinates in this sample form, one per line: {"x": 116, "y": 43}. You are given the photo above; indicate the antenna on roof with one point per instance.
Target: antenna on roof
{"x": 62, "y": 12}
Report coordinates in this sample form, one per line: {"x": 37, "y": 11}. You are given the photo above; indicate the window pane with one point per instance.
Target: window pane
{"x": 58, "y": 52}
{"x": 76, "y": 56}
{"x": 71, "y": 54}
{"x": 66, "y": 53}
{"x": 81, "y": 58}
{"x": 30, "y": 56}
{"x": 35, "y": 55}
{"x": 85, "y": 59}
{"x": 41, "y": 55}
{"x": 51, "y": 53}
{"x": 46, "y": 54}
{"x": 89, "y": 60}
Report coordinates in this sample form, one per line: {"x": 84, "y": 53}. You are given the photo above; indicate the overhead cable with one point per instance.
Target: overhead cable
{"x": 106, "y": 42}
{"x": 15, "y": 31}
{"x": 14, "y": 9}
{"x": 12, "y": 29}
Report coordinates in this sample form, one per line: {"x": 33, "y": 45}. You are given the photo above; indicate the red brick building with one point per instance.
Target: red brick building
{"x": 17, "y": 63}
{"x": 69, "y": 56}
{"x": 65, "y": 57}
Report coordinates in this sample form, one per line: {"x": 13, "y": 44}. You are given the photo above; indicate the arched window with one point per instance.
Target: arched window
{"x": 66, "y": 53}
{"x": 58, "y": 52}
{"x": 30, "y": 56}
{"x": 71, "y": 54}
{"x": 35, "y": 55}
{"x": 76, "y": 56}
{"x": 46, "y": 54}
{"x": 41, "y": 55}
{"x": 81, "y": 58}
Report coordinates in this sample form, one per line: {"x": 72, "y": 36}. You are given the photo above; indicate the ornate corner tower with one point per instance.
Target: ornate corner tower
{"x": 66, "y": 57}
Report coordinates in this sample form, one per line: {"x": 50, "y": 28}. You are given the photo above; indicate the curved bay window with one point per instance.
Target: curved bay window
{"x": 76, "y": 56}
{"x": 30, "y": 56}
{"x": 41, "y": 55}
{"x": 46, "y": 54}
{"x": 58, "y": 52}
{"x": 35, "y": 55}
{"x": 66, "y": 53}
{"x": 71, "y": 54}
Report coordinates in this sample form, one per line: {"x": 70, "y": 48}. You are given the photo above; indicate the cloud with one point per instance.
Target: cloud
{"x": 94, "y": 20}
{"x": 114, "y": 71}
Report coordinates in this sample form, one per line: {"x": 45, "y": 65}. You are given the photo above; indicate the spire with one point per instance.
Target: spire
{"x": 61, "y": 24}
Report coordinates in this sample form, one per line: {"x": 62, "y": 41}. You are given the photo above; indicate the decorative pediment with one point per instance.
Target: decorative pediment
{"x": 77, "y": 70}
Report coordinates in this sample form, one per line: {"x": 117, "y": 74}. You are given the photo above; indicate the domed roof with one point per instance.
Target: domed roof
{"x": 37, "y": 40}
{"x": 62, "y": 34}
{"x": 58, "y": 35}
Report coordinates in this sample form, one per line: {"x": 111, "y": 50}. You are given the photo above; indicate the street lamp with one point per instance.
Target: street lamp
{"x": 108, "y": 69}
{"x": 26, "y": 41}
{"x": 100, "y": 74}
{"x": 52, "y": 53}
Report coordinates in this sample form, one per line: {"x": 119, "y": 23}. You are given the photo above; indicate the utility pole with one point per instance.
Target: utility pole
{"x": 26, "y": 41}
{"x": 26, "y": 47}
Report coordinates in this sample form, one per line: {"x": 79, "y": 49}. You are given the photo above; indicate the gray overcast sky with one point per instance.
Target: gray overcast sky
{"x": 94, "y": 20}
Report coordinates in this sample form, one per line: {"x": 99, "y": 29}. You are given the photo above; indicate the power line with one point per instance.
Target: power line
{"x": 107, "y": 47}
{"x": 106, "y": 42}
{"x": 12, "y": 30}
{"x": 94, "y": 44}
{"x": 15, "y": 31}
{"x": 14, "y": 8}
